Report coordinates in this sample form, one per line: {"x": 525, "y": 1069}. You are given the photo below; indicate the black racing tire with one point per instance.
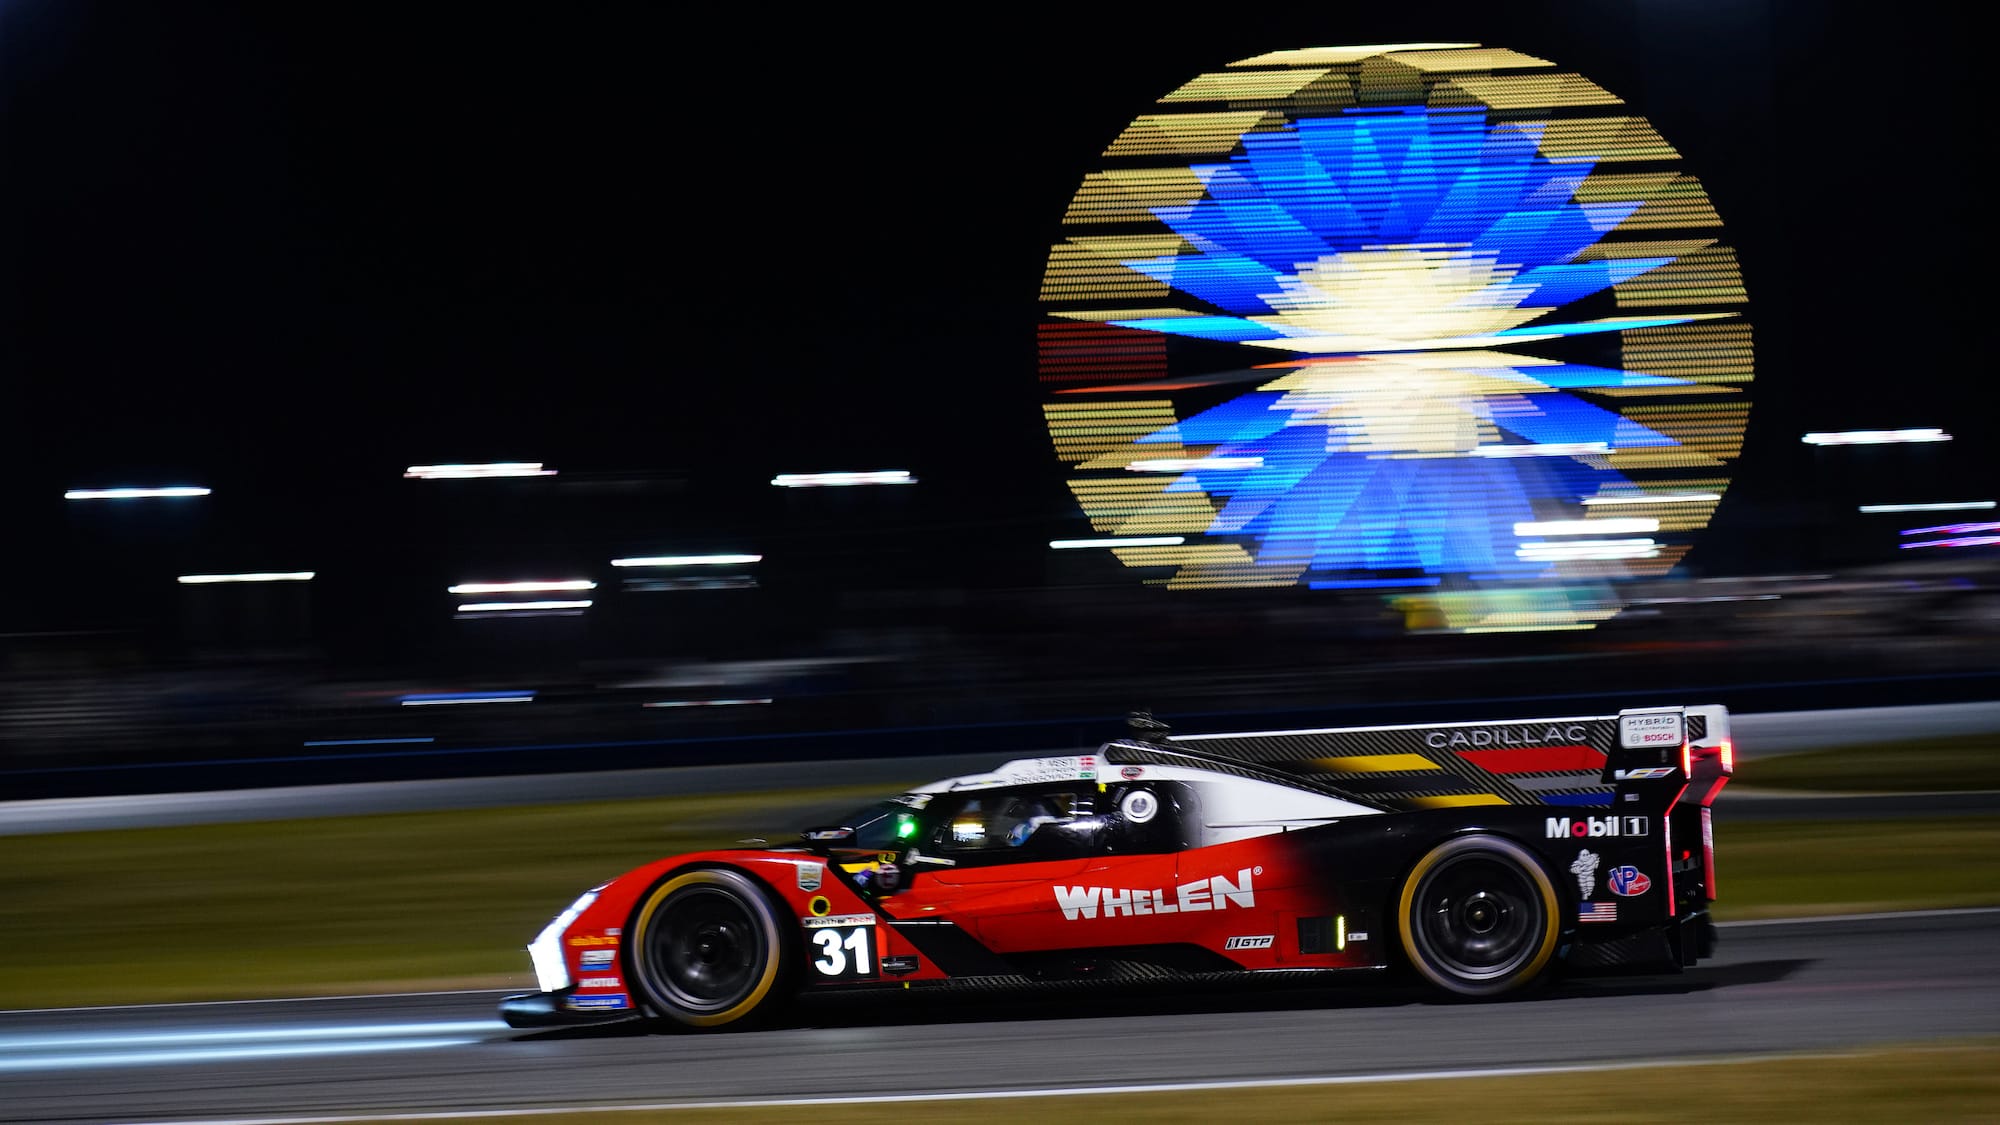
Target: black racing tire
{"x": 1478, "y": 917}
{"x": 708, "y": 948}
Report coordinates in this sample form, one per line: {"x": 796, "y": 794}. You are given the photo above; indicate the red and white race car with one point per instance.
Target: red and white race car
{"x": 1485, "y": 856}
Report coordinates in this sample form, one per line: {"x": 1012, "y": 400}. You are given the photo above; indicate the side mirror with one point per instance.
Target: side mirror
{"x": 827, "y": 837}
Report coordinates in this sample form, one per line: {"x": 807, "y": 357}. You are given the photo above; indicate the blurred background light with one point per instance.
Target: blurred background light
{"x": 1588, "y": 549}
{"x": 133, "y": 493}
{"x": 1874, "y": 437}
{"x": 655, "y": 585}
{"x": 1436, "y": 236}
{"x": 1135, "y": 541}
{"x": 1374, "y": 583}
{"x": 706, "y": 702}
{"x": 531, "y": 587}
{"x": 1189, "y": 464}
{"x": 840, "y": 480}
{"x": 1965, "y": 541}
{"x": 1655, "y": 498}
{"x": 688, "y": 560}
{"x": 523, "y": 607}
{"x": 1953, "y": 529}
{"x": 1956, "y": 506}
{"x": 471, "y": 472}
{"x": 1586, "y": 527}
{"x": 254, "y": 576}
{"x": 441, "y": 698}
{"x": 1550, "y": 449}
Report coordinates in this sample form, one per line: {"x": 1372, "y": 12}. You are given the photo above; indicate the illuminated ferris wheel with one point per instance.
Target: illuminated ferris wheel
{"x": 1435, "y": 320}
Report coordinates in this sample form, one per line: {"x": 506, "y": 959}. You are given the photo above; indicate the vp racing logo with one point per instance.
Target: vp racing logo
{"x": 1215, "y": 893}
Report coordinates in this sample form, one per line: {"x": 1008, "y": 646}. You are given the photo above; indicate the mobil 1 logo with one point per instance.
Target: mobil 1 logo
{"x": 1596, "y": 827}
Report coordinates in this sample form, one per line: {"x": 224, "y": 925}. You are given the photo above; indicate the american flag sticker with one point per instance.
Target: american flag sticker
{"x": 1598, "y": 912}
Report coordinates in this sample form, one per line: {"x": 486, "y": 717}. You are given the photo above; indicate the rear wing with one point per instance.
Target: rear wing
{"x": 1642, "y": 759}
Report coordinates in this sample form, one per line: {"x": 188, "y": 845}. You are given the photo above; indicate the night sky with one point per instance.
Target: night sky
{"x": 287, "y": 250}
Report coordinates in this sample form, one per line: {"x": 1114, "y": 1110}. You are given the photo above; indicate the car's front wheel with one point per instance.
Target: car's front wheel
{"x": 1478, "y": 916}
{"x": 708, "y": 948}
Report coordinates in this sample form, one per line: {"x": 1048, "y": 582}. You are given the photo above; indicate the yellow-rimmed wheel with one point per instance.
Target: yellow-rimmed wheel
{"x": 1478, "y": 916}
{"x": 708, "y": 948}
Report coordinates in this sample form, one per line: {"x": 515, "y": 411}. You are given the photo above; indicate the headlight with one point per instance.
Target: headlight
{"x": 546, "y": 951}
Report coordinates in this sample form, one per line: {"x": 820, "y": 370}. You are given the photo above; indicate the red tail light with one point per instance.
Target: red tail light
{"x": 1728, "y": 756}
{"x": 1687, "y": 759}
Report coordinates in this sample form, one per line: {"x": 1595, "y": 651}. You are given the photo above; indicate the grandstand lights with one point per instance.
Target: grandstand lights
{"x": 688, "y": 560}
{"x": 1874, "y": 437}
{"x": 474, "y": 472}
{"x": 521, "y": 587}
{"x": 133, "y": 493}
{"x": 255, "y": 576}
{"x": 840, "y": 480}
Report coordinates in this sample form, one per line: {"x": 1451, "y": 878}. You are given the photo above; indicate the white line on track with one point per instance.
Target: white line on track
{"x": 64, "y": 1040}
{"x": 1060, "y": 1092}
{"x": 264, "y": 1000}
{"x": 39, "y": 1063}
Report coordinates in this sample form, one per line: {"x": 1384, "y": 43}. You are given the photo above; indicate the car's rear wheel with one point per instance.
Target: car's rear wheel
{"x": 708, "y": 949}
{"x": 1478, "y": 917}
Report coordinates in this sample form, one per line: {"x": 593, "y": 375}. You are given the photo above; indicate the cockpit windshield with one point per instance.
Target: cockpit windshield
{"x": 884, "y": 826}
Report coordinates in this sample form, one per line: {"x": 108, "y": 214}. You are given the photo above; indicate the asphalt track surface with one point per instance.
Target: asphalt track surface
{"x": 1756, "y": 735}
{"x": 1820, "y": 986}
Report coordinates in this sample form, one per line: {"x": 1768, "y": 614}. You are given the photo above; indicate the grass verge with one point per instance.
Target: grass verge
{"x": 415, "y": 901}
{"x": 1935, "y": 1083}
{"x": 1788, "y": 868}
{"x": 397, "y": 902}
{"x": 1925, "y": 765}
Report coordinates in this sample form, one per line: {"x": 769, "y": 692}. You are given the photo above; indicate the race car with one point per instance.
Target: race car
{"x": 1484, "y": 857}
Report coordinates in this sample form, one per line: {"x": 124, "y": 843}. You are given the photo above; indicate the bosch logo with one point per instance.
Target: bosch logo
{"x": 1132, "y": 773}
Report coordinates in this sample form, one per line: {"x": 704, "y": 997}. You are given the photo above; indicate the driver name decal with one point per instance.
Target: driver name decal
{"x": 1215, "y": 893}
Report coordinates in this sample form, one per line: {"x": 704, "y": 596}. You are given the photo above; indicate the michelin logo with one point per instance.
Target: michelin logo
{"x": 1585, "y": 870}
{"x": 1216, "y": 893}
{"x": 1578, "y": 828}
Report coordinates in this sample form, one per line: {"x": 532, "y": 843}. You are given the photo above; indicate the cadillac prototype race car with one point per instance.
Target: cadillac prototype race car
{"x": 1483, "y": 856}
